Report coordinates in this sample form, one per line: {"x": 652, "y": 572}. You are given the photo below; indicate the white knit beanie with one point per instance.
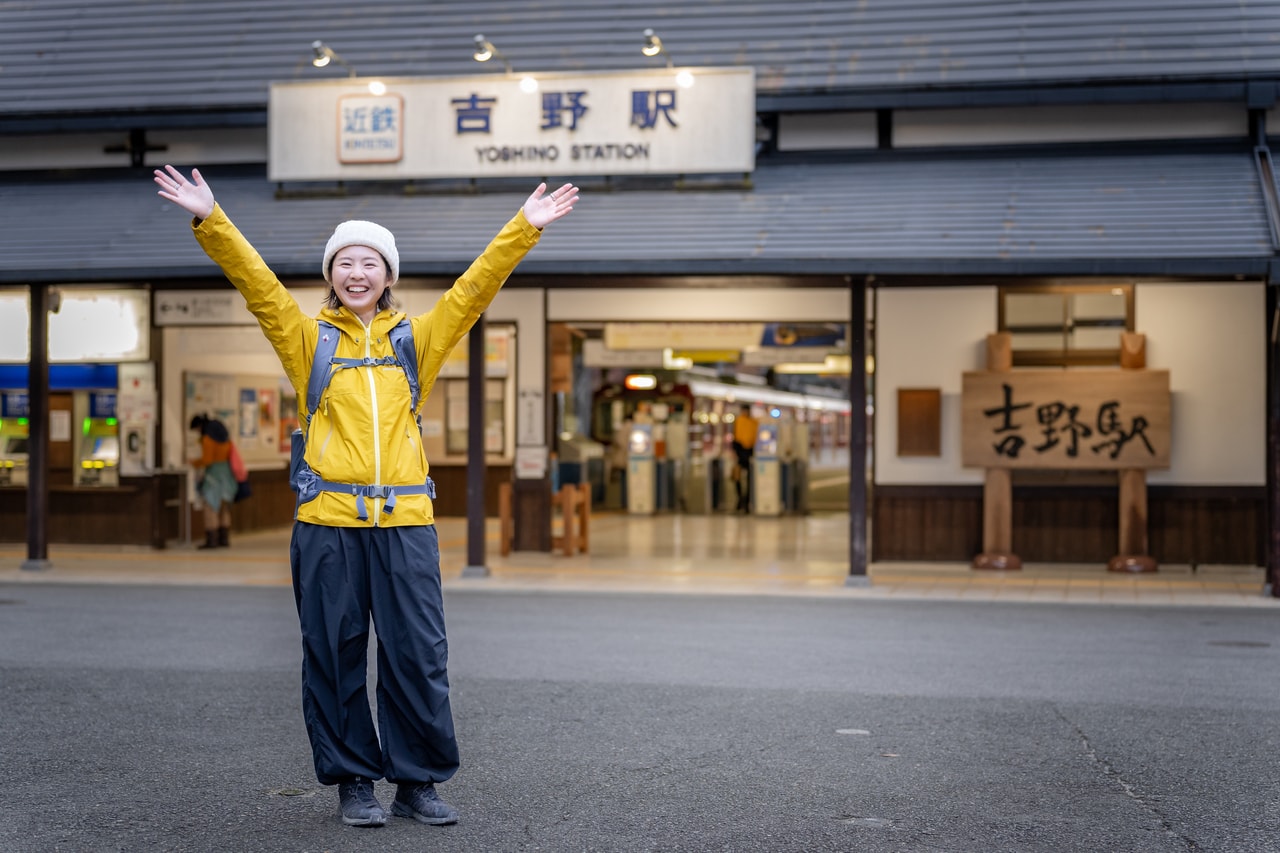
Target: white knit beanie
{"x": 357, "y": 232}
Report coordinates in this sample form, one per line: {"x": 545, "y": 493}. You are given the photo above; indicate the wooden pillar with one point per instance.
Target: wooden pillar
{"x": 858, "y": 504}
{"x": 38, "y": 432}
{"x": 475, "y": 566}
{"x": 1133, "y": 555}
{"x": 997, "y": 489}
{"x": 506, "y": 523}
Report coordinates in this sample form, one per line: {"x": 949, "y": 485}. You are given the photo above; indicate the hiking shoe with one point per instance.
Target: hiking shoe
{"x": 423, "y": 804}
{"x": 358, "y": 804}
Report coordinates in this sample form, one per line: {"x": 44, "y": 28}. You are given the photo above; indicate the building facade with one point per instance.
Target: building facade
{"x": 930, "y": 173}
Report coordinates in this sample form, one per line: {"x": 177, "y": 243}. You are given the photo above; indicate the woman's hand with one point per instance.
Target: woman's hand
{"x": 541, "y": 210}
{"x": 193, "y": 196}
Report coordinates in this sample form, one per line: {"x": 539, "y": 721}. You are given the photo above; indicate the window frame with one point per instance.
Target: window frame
{"x": 1065, "y": 357}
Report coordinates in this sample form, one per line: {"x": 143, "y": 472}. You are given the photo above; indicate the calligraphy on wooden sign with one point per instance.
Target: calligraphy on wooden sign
{"x": 1080, "y": 419}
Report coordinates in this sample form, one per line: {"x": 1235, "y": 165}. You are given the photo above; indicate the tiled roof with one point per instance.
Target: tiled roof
{"x": 1086, "y": 214}
{"x": 62, "y": 56}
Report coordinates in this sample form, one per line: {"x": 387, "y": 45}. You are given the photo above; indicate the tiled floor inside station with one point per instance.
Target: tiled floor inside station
{"x": 723, "y": 554}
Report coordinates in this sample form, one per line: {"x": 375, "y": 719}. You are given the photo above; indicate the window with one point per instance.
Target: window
{"x": 1066, "y": 325}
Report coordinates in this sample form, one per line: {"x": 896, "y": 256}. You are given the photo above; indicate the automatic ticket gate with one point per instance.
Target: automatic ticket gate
{"x": 766, "y": 490}
{"x": 640, "y": 470}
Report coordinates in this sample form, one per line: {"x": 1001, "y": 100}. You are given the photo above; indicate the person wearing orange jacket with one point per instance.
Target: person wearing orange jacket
{"x": 353, "y": 558}
{"x": 217, "y": 483}
{"x": 744, "y": 442}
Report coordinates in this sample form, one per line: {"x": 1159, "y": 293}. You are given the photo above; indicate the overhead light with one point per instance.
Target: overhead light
{"x": 670, "y": 361}
{"x": 653, "y": 46}
{"x": 322, "y": 55}
{"x": 485, "y": 51}
{"x": 641, "y": 382}
{"x": 838, "y": 365}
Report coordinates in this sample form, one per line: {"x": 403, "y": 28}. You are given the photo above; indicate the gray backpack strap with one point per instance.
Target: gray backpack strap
{"x": 321, "y": 367}
{"x": 407, "y": 355}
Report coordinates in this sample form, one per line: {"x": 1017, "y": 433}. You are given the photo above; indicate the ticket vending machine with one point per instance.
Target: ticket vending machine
{"x": 640, "y": 463}
{"x": 14, "y": 426}
{"x": 13, "y": 446}
{"x": 97, "y": 441}
{"x": 766, "y": 491}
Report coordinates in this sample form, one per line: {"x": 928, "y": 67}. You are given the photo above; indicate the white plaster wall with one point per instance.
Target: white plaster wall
{"x": 1212, "y": 339}
{"x": 927, "y": 338}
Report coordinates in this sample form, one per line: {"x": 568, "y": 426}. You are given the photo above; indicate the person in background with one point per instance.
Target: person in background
{"x": 216, "y": 484}
{"x": 744, "y": 442}
{"x": 365, "y": 545}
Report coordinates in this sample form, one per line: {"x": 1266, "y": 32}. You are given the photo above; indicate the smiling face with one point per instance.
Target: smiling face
{"x": 359, "y": 278}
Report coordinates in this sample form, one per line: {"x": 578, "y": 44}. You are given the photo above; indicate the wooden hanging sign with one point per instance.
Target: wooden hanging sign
{"x": 1077, "y": 419}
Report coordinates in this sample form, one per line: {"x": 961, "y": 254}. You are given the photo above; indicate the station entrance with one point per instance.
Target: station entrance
{"x": 700, "y": 440}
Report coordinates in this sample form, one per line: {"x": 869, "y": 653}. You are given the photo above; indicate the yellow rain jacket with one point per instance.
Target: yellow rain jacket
{"x": 363, "y": 431}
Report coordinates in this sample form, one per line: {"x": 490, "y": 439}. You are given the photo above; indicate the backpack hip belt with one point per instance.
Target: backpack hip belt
{"x": 308, "y": 486}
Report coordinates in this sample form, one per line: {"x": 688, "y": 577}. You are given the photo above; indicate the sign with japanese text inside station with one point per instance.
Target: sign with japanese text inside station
{"x": 661, "y": 121}
{"x": 1077, "y": 419}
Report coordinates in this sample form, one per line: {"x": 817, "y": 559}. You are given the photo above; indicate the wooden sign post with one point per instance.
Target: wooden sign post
{"x": 1133, "y": 556}
{"x": 1080, "y": 419}
{"x": 997, "y": 488}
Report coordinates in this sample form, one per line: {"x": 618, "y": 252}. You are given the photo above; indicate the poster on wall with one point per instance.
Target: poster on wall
{"x": 256, "y": 410}
{"x": 497, "y": 354}
{"x": 212, "y": 396}
{"x": 248, "y": 431}
{"x": 266, "y": 416}
{"x": 288, "y": 418}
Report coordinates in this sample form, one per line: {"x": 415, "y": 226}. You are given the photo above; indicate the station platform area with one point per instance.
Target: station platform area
{"x": 721, "y": 555}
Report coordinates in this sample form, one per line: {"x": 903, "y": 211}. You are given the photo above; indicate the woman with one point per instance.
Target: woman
{"x": 216, "y": 484}
{"x": 352, "y": 557}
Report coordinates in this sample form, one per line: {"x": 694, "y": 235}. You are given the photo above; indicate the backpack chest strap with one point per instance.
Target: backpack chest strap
{"x": 340, "y": 363}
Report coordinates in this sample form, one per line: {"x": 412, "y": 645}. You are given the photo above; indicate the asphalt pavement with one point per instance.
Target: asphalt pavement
{"x": 167, "y": 718}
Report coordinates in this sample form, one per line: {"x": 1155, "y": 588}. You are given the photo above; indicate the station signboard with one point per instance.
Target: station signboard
{"x": 653, "y": 121}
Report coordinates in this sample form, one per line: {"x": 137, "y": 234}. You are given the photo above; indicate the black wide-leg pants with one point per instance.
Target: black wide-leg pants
{"x": 341, "y": 577}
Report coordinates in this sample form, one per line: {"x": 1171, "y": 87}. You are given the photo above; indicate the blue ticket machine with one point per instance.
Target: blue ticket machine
{"x": 640, "y": 474}
{"x": 97, "y": 440}
{"x": 14, "y": 423}
{"x": 766, "y": 497}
